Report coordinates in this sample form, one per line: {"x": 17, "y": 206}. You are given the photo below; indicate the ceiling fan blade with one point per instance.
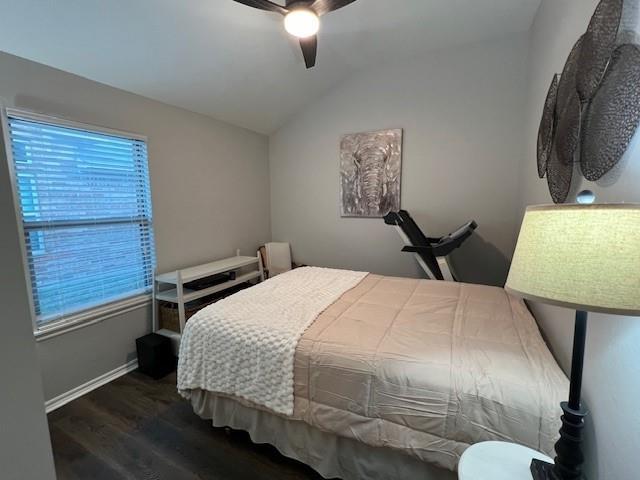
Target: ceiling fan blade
{"x": 265, "y": 5}
{"x": 325, "y": 6}
{"x": 309, "y": 50}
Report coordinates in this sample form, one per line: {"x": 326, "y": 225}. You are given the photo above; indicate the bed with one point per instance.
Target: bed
{"x": 380, "y": 377}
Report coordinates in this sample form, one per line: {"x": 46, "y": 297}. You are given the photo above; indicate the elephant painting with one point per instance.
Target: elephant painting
{"x": 370, "y": 165}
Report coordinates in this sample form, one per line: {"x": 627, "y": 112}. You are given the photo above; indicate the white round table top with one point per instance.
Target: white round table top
{"x": 497, "y": 461}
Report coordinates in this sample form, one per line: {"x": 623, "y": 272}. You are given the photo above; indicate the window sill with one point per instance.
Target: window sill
{"x": 91, "y": 317}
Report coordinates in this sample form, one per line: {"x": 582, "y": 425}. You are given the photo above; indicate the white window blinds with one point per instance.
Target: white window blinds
{"x": 85, "y": 203}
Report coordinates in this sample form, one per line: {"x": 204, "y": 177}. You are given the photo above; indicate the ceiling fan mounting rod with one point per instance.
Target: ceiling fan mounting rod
{"x": 294, "y": 4}
{"x": 290, "y": 3}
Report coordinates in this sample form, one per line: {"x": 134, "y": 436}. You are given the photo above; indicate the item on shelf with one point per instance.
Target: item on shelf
{"x": 210, "y": 281}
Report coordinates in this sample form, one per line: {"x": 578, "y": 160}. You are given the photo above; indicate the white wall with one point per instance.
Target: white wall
{"x": 612, "y": 371}
{"x": 210, "y": 195}
{"x": 461, "y": 110}
{"x": 25, "y": 449}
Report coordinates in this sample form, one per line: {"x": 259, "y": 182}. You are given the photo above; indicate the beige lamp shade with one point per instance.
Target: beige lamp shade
{"x": 584, "y": 257}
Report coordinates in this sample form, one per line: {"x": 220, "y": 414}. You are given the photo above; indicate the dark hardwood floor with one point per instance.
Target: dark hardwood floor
{"x": 137, "y": 428}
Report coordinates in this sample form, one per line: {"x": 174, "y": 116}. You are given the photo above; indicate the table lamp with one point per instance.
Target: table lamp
{"x": 587, "y": 258}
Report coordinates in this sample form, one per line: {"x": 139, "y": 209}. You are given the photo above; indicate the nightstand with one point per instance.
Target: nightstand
{"x": 497, "y": 461}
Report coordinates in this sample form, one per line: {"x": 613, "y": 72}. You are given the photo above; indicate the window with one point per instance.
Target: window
{"x": 84, "y": 199}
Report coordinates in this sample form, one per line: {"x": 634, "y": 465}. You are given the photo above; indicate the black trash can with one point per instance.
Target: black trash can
{"x": 155, "y": 355}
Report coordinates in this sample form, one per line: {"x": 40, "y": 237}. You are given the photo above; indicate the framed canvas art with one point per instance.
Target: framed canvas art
{"x": 370, "y": 173}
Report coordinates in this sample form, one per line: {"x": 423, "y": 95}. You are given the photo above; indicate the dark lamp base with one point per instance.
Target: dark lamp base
{"x": 569, "y": 459}
{"x": 569, "y": 456}
{"x": 542, "y": 470}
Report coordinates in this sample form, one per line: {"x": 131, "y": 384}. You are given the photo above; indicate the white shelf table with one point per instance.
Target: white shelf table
{"x": 180, "y": 295}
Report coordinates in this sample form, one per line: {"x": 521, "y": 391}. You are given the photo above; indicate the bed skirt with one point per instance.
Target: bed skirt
{"x": 331, "y": 456}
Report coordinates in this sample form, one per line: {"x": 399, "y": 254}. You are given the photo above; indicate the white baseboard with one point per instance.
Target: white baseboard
{"x": 60, "y": 400}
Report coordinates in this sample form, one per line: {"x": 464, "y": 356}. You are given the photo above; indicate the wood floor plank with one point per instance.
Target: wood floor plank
{"x": 75, "y": 462}
{"x": 138, "y": 428}
{"x": 121, "y": 448}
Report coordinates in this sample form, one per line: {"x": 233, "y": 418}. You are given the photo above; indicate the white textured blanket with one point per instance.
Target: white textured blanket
{"x": 244, "y": 345}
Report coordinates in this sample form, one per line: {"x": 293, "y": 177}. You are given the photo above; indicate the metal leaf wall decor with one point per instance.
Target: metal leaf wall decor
{"x": 567, "y": 85}
{"x": 559, "y": 176}
{"x": 598, "y": 45}
{"x": 567, "y": 137}
{"x": 597, "y": 105}
{"x": 613, "y": 115}
{"x": 547, "y": 127}
{"x": 568, "y": 109}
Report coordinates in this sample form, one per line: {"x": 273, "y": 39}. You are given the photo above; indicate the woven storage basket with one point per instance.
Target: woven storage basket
{"x": 169, "y": 318}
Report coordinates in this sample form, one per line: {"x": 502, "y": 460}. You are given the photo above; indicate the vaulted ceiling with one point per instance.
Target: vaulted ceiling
{"x": 235, "y": 63}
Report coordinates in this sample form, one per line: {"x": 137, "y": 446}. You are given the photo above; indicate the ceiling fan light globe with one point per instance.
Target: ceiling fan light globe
{"x": 302, "y": 23}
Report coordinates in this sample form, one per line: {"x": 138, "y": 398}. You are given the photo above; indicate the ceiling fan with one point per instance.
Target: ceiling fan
{"x": 302, "y": 20}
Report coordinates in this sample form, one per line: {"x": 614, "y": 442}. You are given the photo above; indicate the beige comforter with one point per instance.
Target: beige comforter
{"x": 428, "y": 368}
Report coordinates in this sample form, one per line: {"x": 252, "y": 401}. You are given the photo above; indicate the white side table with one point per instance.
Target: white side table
{"x": 497, "y": 461}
